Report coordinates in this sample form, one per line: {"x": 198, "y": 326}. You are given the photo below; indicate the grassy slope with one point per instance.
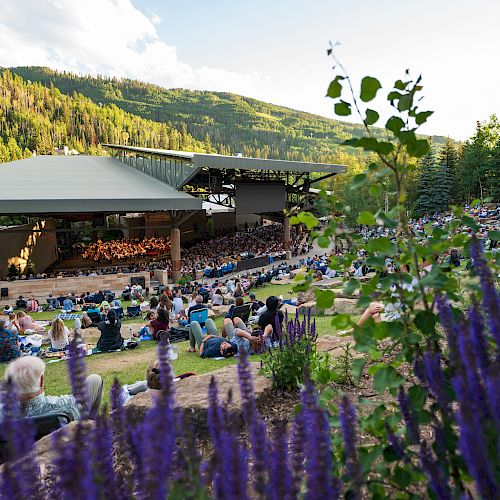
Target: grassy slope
{"x": 130, "y": 366}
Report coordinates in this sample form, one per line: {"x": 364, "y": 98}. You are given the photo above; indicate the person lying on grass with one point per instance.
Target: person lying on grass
{"x": 239, "y": 334}
{"x": 209, "y": 344}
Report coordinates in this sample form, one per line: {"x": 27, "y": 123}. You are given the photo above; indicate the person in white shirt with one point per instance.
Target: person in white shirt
{"x": 177, "y": 304}
{"x": 59, "y": 335}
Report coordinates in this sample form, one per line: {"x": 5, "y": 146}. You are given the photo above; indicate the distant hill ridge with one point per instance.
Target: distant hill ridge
{"x": 222, "y": 122}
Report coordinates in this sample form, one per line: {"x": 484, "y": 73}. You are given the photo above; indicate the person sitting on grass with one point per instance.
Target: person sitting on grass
{"x": 217, "y": 298}
{"x": 210, "y": 344}
{"x": 111, "y": 339}
{"x": 26, "y": 323}
{"x": 10, "y": 347}
{"x": 238, "y": 333}
{"x": 272, "y": 313}
{"x": 59, "y": 335}
{"x": 159, "y": 323}
{"x": 237, "y": 303}
{"x": 28, "y": 376}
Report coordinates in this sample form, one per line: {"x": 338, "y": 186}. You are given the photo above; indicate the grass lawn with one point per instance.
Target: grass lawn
{"x": 130, "y": 366}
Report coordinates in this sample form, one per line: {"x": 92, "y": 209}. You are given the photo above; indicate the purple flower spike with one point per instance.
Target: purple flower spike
{"x": 77, "y": 374}
{"x": 491, "y": 298}
{"x": 348, "y": 423}
{"x": 280, "y": 487}
{"x": 434, "y": 377}
{"x": 409, "y": 417}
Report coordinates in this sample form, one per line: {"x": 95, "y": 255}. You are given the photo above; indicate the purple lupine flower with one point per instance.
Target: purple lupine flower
{"x": 123, "y": 442}
{"x": 77, "y": 374}
{"x": 468, "y": 371}
{"x": 418, "y": 369}
{"x": 348, "y": 423}
{"x": 297, "y": 440}
{"x": 491, "y": 297}
{"x": 435, "y": 379}
{"x": 280, "y": 487}
{"x": 492, "y": 383}
{"x": 19, "y": 434}
{"x": 478, "y": 340}
{"x": 434, "y": 472}
{"x": 102, "y": 455}
{"x": 255, "y": 425}
{"x": 472, "y": 442}
{"x": 74, "y": 455}
{"x": 156, "y": 449}
{"x": 409, "y": 417}
{"x": 452, "y": 329}
{"x": 215, "y": 428}
{"x": 321, "y": 483}
{"x": 396, "y": 444}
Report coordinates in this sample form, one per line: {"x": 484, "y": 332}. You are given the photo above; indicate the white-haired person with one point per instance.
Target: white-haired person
{"x": 28, "y": 376}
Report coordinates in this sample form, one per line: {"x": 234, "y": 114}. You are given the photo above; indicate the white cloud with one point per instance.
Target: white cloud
{"x": 109, "y": 37}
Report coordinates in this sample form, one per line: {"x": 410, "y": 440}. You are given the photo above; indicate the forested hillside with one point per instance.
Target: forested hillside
{"x": 34, "y": 117}
{"x": 226, "y": 123}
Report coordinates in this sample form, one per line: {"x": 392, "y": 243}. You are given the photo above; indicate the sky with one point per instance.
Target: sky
{"x": 273, "y": 50}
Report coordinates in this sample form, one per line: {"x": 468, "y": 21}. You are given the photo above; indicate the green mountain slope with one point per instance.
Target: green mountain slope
{"x": 226, "y": 123}
{"x": 34, "y": 117}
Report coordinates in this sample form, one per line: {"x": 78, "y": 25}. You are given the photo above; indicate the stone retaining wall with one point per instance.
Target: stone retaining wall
{"x": 62, "y": 286}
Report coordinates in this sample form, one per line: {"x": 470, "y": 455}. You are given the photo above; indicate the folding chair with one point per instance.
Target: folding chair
{"x": 200, "y": 315}
{"x": 242, "y": 312}
{"x": 133, "y": 312}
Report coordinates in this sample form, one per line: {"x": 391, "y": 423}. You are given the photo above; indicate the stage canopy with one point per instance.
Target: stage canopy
{"x": 81, "y": 184}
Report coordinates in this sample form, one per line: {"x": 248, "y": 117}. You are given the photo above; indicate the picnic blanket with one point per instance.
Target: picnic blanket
{"x": 68, "y": 316}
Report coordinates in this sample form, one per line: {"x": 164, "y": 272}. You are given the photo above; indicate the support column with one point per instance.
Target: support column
{"x": 286, "y": 237}
{"x": 175, "y": 253}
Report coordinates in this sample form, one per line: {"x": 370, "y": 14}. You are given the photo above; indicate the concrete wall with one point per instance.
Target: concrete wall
{"x": 62, "y": 286}
{"x": 24, "y": 245}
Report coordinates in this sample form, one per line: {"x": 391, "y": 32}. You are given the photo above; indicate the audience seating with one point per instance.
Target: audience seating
{"x": 242, "y": 312}
{"x": 133, "y": 312}
{"x": 200, "y": 315}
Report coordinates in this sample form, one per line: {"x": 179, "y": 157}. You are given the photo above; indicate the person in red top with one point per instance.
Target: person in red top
{"x": 159, "y": 323}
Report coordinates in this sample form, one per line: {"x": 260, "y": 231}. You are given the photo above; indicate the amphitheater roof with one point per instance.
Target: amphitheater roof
{"x": 78, "y": 184}
{"x": 224, "y": 162}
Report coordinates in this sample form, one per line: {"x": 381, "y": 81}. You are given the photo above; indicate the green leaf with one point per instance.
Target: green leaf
{"x": 418, "y": 149}
{"x": 422, "y": 117}
{"x": 357, "y": 368}
{"x": 494, "y": 235}
{"x": 341, "y": 321}
{"x": 369, "y": 88}
{"x": 382, "y": 244}
{"x": 394, "y": 124}
{"x": 342, "y": 108}
{"x": 402, "y": 477}
{"x": 324, "y": 241}
{"x": 371, "y": 144}
{"x": 351, "y": 286}
{"x": 371, "y": 117}
{"x": 405, "y": 102}
{"x": 324, "y": 298}
{"x": 426, "y": 321}
{"x": 358, "y": 181}
{"x": 417, "y": 396}
{"x": 335, "y": 87}
{"x": 386, "y": 378}
{"x": 366, "y": 218}
{"x": 308, "y": 219}
{"x": 387, "y": 221}
{"x": 400, "y": 85}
